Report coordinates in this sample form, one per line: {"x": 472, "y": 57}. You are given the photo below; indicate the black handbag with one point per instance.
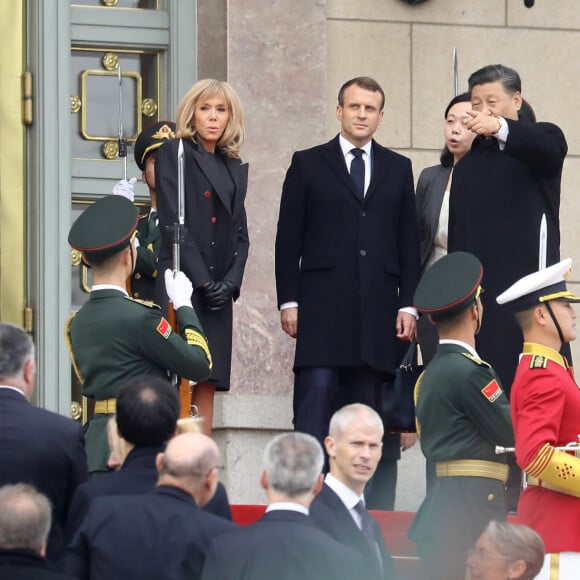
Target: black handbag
{"x": 398, "y": 403}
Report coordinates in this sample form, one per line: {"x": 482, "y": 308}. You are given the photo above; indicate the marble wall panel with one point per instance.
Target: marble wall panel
{"x": 570, "y": 220}
{"x": 423, "y": 158}
{"x": 476, "y": 12}
{"x": 277, "y": 63}
{"x": 243, "y": 425}
{"x": 562, "y": 14}
{"x": 380, "y": 50}
{"x": 212, "y": 39}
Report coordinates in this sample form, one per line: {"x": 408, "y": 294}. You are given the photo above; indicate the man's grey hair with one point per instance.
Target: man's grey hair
{"x": 25, "y": 518}
{"x": 293, "y": 462}
{"x": 16, "y": 348}
{"x": 517, "y": 542}
{"x": 356, "y": 411}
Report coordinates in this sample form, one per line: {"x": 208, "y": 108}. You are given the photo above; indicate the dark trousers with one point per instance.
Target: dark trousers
{"x": 320, "y": 391}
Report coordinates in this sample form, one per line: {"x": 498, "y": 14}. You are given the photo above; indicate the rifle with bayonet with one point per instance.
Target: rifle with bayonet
{"x": 121, "y": 137}
{"x": 122, "y": 154}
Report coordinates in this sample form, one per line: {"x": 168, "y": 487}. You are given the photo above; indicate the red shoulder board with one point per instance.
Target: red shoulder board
{"x": 164, "y": 328}
{"x": 492, "y": 391}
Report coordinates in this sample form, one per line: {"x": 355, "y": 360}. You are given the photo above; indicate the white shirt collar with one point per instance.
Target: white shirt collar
{"x": 348, "y": 497}
{"x": 109, "y": 287}
{"x": 462, "y": 344}
{"x": 346, "y": 146}
{"x": 287, "y": 506}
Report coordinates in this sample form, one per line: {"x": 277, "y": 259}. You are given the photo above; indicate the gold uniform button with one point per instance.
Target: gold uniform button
{"x": 137, "y": 276}
{"x": 135, "y": 294}
{"x": 490, "y": 497}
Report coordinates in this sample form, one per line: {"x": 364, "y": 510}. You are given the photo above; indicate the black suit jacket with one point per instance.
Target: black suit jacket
{"x": 429, "y": 198}
{"x": 27, "y": 565}
{"x": 495, "y": 209}
{"x": 161, "y": 535}
{"x": 283, "y": 545}
{"x": 45, "y": 450}
{"x": 330, "y": 515}
{"x": 350, "y": 264}
{"x": 137, "y": 476}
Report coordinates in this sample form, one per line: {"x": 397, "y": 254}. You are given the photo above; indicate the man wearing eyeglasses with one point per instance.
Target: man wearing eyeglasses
{"x": 161, "y": 535}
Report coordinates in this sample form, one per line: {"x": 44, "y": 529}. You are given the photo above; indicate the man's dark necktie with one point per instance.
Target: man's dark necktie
{"x": 367, "y": 528}
{"x": 357, "y": 172}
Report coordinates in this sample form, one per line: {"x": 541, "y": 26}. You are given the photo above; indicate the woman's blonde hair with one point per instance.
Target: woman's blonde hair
{"x": 189, "y": 425}
{"x": 232, "y": 138}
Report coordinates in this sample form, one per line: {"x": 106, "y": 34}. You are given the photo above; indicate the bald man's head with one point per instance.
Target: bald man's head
{"x": 190, "y": 462}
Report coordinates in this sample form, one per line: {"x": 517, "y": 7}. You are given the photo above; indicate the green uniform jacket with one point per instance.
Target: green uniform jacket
{"x": 462, "y": 413}
{"x": 143, "y": 279}
{"x": 114, "y": 338}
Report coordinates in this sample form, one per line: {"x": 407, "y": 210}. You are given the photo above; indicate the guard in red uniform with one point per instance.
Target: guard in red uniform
{"x": 545, "y": 408}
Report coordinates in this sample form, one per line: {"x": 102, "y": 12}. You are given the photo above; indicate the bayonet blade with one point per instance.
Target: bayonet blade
{"x": 122, "y": 140}
{"x": 543, "y": 243}
{"x": 455, "y": 73}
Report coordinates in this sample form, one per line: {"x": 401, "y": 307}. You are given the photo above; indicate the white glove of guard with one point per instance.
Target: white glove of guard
{"x": 178, "y": 288}
{"x": 125, "y": 188}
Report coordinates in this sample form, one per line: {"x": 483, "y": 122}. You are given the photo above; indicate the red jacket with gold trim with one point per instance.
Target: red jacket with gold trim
{"x": 545, "y": 408}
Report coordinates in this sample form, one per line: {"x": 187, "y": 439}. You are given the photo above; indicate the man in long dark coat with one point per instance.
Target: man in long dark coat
{"x": 347, "y": 261}
{"x": 500, "y": 191}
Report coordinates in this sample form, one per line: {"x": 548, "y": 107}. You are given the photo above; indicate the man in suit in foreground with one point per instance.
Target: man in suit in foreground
{"x": 347, "y": 262}
{"x": 36, "y": 446}
{"x": 284, "y": 544}
{"x": 354, "y": 445}
{"x": 24, "y": 525}
{"x": 147, "y": 413}
{"x": 162, "y": 535}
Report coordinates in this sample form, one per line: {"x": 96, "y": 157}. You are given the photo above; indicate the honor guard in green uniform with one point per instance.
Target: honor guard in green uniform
{"x": 462, "y": 414}
{"x": 114, "y": 337}
{"x": 148, "y": 239}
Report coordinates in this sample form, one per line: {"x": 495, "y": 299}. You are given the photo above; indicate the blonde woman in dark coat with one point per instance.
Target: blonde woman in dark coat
{"x": 215, "y": 246}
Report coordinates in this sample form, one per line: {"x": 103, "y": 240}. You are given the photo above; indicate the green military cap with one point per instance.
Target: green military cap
{"x": 150, "y": 139}
{"x": 105, "y": 227}
{"x": 450, "y": 285}
{"x": 539, "y": 287}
